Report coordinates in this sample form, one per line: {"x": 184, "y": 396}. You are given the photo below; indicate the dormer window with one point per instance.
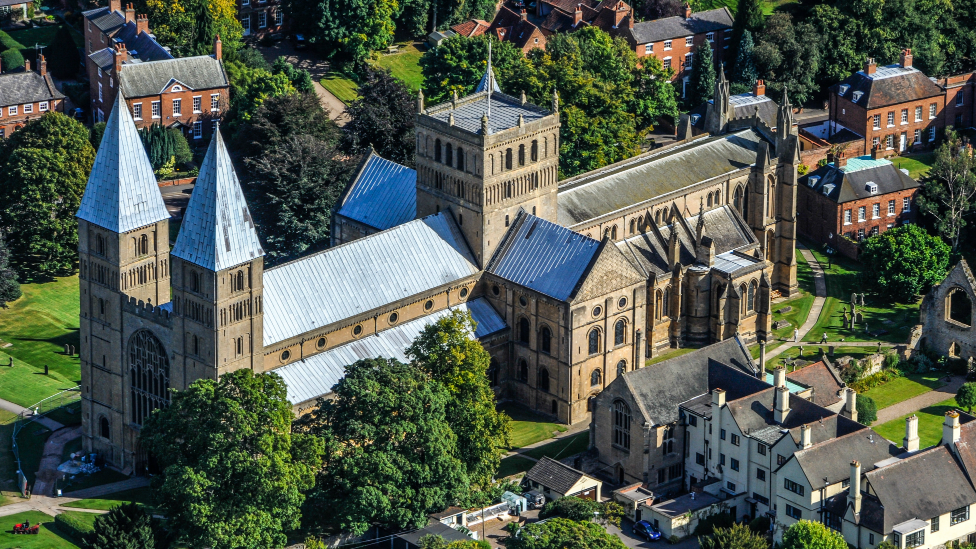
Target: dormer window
{"x": 176, "y": 88}
{"x": 813, "y": 180}
{"x": 857, "y": 96}
{"x": 871, "y": 187}
{"x": 843, "y": 89}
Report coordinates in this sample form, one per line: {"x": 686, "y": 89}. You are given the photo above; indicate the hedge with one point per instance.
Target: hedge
{"x": 7, "y": 42}
{"x": 11, "y": 59}
{"x": 71, "y": 526}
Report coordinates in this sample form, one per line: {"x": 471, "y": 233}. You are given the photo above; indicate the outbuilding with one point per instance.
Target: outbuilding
{"x": 556, "y": 480}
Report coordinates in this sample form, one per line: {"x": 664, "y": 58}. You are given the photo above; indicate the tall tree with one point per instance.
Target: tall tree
{"x": 9, "y": 287}
{"x": 744, "y": 76}
{"x": 966, "y": 396}
{"x": 250, "y": 87}
{"x": 233, "y": 472}
{"x": 447, "y": 351}
{"x": 561, "y": 533}
{"x": 44, "y": 168}
{"x": 648, "y": 10}
{"x": 346, "y": 30}
{"x": 299, "y": 78}
{"x": 63, "y": 58}
{"x": 738, "y": 536}
{"x": 702, "y": 74}
{"x": 390, "y": 453}
{"x": 902, "y": 263}
{"x": 189, "y": 27}
{"x": 867, "y": 410}
{"x": 812, "y": 535}
{"x": 789, "y": 54}
{"x": 285, "y": 116}
{"x": 748, "y": 17}
{"x": 458, "y": 63}
{"x": 382, "y": 118}
{"x": 951, "y": 187}
{"x": 126, "y": 526}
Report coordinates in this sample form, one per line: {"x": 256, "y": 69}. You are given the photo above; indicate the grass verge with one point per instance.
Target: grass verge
{"x": 904, "y": 388}
{"x": 48, "y": 538}
{"x": 669, "y": 354}
{"x": 343, "y": 88}
{"x": 404, "y": 65}
{"x": 529, "y": 427}
{"x": 918, "y": 165}
{"x": 812, "y": 353}
{"x": 562, "y": 448}
{"x": 929, "y": 424}
{"x": 141, "y": 496}
{"x": 513, "y": 465}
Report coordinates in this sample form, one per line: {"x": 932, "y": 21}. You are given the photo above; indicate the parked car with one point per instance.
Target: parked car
{"x": 536, "y": 499}
{"x": 646, "y": 530}
{"x": 299, "y": 41}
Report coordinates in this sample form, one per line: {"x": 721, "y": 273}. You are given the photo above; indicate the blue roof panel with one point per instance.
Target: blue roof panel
{"x": 383, "y": 194}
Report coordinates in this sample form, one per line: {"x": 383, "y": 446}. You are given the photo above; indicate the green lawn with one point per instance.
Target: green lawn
{"x": 904, "y": 388}
{"x": 811, "y": 353}
{"x": 42, "y": 36}
{"x": 343, "y": 88}
{"x": 929, "y": 424}
{"x": 918, "y": 165}
{"x": 562, "y": 448}
{"x": 404, "y": 65}
{"x": 30, "y": 442}
{"x": 529, "y": 427}
{"x": 137, "y": 495}
{"x": 48, "y": 538}
{"x": 88, "y": 519}
{"x": 513, "y": 465}
{"x": 669, "y": 354}
{"x": 800, "y": 305}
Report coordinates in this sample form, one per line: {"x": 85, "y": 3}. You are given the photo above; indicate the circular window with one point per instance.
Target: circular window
{"x": 394, "y": 317}
{"x": 495, "y": 290}
{"x": 429, "y": 305}
{"x": 320, "y": 343}
{"x": 357, "y": 330}
{"x": 523, "y": 302}
{"x": 597, "y": 310}
{"x": 285, "y": 355}
{"x": 622, "y": 303}
{"x": 464, "y": 293}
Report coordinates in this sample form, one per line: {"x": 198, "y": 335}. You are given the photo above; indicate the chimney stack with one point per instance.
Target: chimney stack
{"x": 906, "y": 58}
{"x": 779, "y": 374}
{"x": 718, "y": 399}
{"x": 762, "y": 355}
{"x": 760, "y": 88}
{"x": 876, "y": 153}
{"x": 855, "y": 493}
{"x": 522, "y": 15}
{"x": 782, "y": 403}
{"x": 42, "y": 65}
{"x": 840, "y": 161}
{"x": 130, "y": 13}
{"x": 114, "y": 5}
{"x": 805, "y": 437}
{"x": 950, "y": 429}
{"x": 687, "y": 10}
{"x": 119, "y": 57}
{"x": 27, "y": 65}
{"x": 219, "y": 47}
{"x": 870, "y": 67}
{"x": 910, "y": 442}
{"x": 850, "y": 404}
{"x": 142, "y": 24}
{"x": 578, "y": 15}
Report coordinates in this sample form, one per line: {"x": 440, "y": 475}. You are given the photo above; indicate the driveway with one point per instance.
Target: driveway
{"x": 308, "y": 60}
{"x": 626, "y": 535}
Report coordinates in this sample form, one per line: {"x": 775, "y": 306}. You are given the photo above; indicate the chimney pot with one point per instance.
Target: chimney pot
{"x": 782, "y": 406}
{"x": 870, "y": 67}
{"x": 855, "y": 489}
{"x": 115, "y": 5}
{"x": 950, "y": 429}
{"x": 687, "y": 10}
{"x": 779, "y": 374}
{"x": 910, "y": 442}
{"x": 840, "y": 160}
{"x": 760, "y": 88}
{"x": 218, "y": 48}
{"x": 578, "y": 15}
{"x": 523, "y": 15}
{"x": 906, "y": 58}
{"x": 42, "y": 65}
{"x": 27, "y": 65}
{"x": 142, "y": 24}
{"x": 805, "y": 437}
{"x": 130, "y": 13}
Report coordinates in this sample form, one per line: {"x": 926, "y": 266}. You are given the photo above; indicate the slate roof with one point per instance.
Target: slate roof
{"x": 966, "y": 448}
{"x": 649, "y": 252}
{"x": 122, "y": 194}
{"x": 823, "y": 379}
{"x": 679, "y": 27}
{"x": 743, "y": 105}
{"x": 26, "y": 87}
{"x": 889, "y": 85}
{"x": 661, "y": 388}
{"x": 849, "y": 183}
{"x": 831, "y": 459}
{"x": 141, "y": 45}
{"x": 505, "y": 111}
{"x": 544, "y": 257}
{"x": 555, "y": 475}
{"x": 651, "y": 175}
{"x": 449, "y": 534}
{"x": 362, "y": 275}
{"x": 316, "y": 375}
{"x": 483, "y": 84}
{"x": 382, "y": 194}
{"x": 104, "y": 18}
{"x": 755, "y": 413}
{"x": 217, "y": 231}
{"x": 197, "y": 73}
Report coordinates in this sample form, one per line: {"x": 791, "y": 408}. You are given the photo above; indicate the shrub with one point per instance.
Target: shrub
{"x": 760, "y": 524}
{"x": 867, "y": 410}
{"x": 71, "y": 526}
{"x": 11, "y": 60}
{"x": 707, "y": 525}
{"x": 7, "y": 42}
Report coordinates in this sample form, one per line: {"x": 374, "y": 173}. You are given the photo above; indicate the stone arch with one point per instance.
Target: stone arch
{"x": 633, "y": 226}
{"x": 958, "y": 307}
{"x": 596, "y": 377}
{"x": 737, "y": 201}
{"x": 593, "y": 341}
{"x": 743, "y": 303}
{"x": 752, "y": 296}
{"x": 104, "y": 429}
{"x": 709, "y": 204}
{"x": 658, "y": 304}
{"x": 437, "y": 150}
{"x": 620, "y": 332}
{"x": 545, "y": 339}
{"x": 148, "y": 375}
{"x": 666, "y": 305}
{"x": 460, "y": 159}
{"x": 770, "y": 242}
{"x": 449, "y": 155}
{"x": 613, "y": 233}
{"x": 534, "y": 156}
{"x": 508, "y": 158}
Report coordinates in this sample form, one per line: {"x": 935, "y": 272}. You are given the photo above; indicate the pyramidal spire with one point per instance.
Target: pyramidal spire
{"x": 217, "y": 231}
{"x": 122, "y": 194}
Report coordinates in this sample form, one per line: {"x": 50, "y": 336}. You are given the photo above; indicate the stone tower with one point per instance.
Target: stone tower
{"x": 483, "y": 157}
{"x": 218, "y": 264}
{"x": 784, "y": 269}
{"x": 761, "y": 203}
{"x": 784, "y": 125}
{"x": 719, "y": 110}
{"x": 123, "y": 248}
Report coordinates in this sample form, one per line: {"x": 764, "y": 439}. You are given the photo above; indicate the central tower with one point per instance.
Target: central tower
{"x": 483, "y": 157}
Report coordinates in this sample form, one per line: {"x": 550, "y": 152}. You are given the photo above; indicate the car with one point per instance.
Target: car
{"x": 299, "y": 41}
{"x": 536, "y": 499}
{"x": 646, "y": 530}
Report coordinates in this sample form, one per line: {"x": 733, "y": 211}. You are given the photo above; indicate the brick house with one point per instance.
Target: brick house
{"x": 261, "y": 17}
{"x": 960, "y": 99}
{"x": 25, "y": 96}
{"x": 569, "y": 15}
{"x": 189, "y": 93}
{"x": 847, "y": 200}
{"x": 516, "y": 28}
{"x": 894, "y": 108}
{"x": 673, "y": 40}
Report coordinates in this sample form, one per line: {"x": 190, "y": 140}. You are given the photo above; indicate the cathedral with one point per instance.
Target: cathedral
{"x": 570, "y": 282}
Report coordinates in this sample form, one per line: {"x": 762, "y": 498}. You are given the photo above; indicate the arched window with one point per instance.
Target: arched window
{"x": 437, "y": 150}
{"x": 666, "y": 306}
{"x": 621, "y": 424}
{"x": 737, "y": 200}
{"x": 619, "y": 332}
{"x": 545, "y": 340}
{"x": 493, "y": 372}
{"x": 524, "y": 330}
{"x": 668, "y": 441}
{"x": 449, "y": 155}
{"x": 99, "y": 245}
{"x": 658, "y": 304}
{"x": 657, "y": 217}
{"x": 752, "y": 296}
{"x": 508, "y": 159}
{"x": 770, "y": 242}
{"x": 523, "y": 371}
{"x": 521, "y": 155}
{"x": 595, "y": 378}
{"x": 718, "y": 198}
{"x": 954, "y": 350}
{"x": 240, "y": 280}
{"x": 148, "y": 374}
{"x": 743, "y": 308}
{"x": 544, "y": 380}
{"x": 143, "y": 245}
{"x": 640, "y": 223}
{"x": 613, "y": 233}
{"x": 769, "y": 198}
{"x": 709, "y": 200}
{"x": 633, "y": 226}
{"x": 621, "y": 367}
{"x": 959, "y": 308}
{"x": 594, "y": 341}
{"x": 103, "y": 428}
{"x": 460, "y": 160}
{"x": 535, "y": 150}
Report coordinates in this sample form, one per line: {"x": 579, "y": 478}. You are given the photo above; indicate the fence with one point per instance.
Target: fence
{"x": 31, "y": 414}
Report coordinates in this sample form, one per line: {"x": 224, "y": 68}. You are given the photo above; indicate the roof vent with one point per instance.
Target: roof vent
{"x": 871, "y": 187}
{"x": 843, "y": 89}
{"x": 813, "y": 180}
{"x": 857, "y": 96}
{"x": 827, "y": 189}
{"x": 695, "y": 118}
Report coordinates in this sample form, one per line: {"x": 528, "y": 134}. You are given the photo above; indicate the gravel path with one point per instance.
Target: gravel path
{"x": 820, "y": 290}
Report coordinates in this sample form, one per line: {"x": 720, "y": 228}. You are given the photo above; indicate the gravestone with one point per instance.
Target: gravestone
{"x": 784, "y": 310}
{"x": 780, "y": 324}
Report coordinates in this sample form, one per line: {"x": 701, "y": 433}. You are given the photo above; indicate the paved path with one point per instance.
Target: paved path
{"x": 924, "y": 400}
{"x": 52, "y": 506}
{"x": 820, "y": 292}
{"x": 24, "y": 412}
{"x": 47, "y": 472}
{"x": 317, "y": 68}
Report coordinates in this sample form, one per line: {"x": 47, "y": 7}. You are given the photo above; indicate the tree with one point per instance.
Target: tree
{"x": 164, "y": 146}
{"x": 347, "y": 30}
{"x": 744, "y": 76}
{"x": 788, "y": 54}
{"x": 390, "y": 452}
{"x": 437, "y": 542}
{"x": 189, "y": 27}
{"x": 62, "y": 54}
{"x": 812, "y": 535}
{"x": 126, "y": 526}
{"x": 458, "y": 63}
{"x": 867, "y": 410}
{"x": 748, "y": 17}
{"x": 251, "y": 87}
{"x": 299, "y": 78}
{"x": 703, "y": 74}
{"x": 648, "y": 10}
{"x": 9, "y": 287}
{"x": 285, "y": 116}
{"x": 966, "y": 396}
{"x": 561, "y": 533}
{"x": 948, "y": 193}
{"x": 901, "y": 263}
{"x": 11, "y": 60}
{"x": 575, "y": 508}
{"x": 233, "y": 472}
{"x": 382, "y": 118}
{"x": 738, "y": 536}
{"x": 44, "y": 168}
{"x": 96, "y": 133}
